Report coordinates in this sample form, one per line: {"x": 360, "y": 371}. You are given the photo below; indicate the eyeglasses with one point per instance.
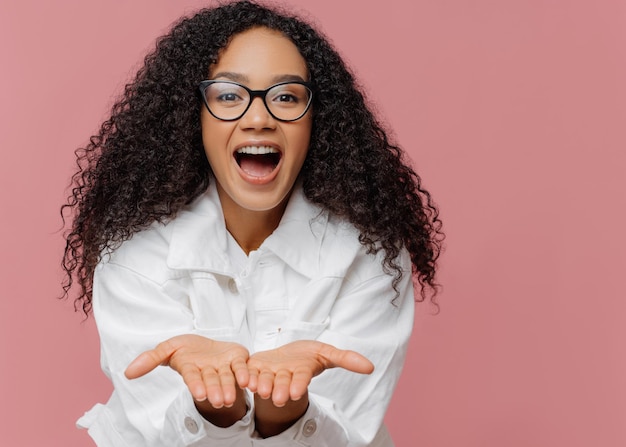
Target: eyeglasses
{"x": 229, "y": 101}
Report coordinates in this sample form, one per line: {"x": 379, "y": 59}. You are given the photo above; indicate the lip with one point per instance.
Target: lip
{"x": 253, "y": 179}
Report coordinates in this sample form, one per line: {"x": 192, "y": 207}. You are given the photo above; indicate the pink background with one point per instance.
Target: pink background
{"x": 515, "y": 114}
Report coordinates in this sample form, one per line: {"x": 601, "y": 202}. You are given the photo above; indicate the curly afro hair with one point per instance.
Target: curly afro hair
{"x": 147, "y": 160}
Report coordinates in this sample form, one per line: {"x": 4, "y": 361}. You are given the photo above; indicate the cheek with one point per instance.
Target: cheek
{"x": 302, "y": 137}
{"x": 215, "y": 134}
{"x": 206, "y": 129}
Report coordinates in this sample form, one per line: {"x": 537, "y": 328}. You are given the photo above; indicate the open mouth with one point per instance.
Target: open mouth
{"x": 257, "y": 161}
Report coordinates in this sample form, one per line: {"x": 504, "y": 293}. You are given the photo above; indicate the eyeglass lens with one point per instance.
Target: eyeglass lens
{"x": 229, "y": 101}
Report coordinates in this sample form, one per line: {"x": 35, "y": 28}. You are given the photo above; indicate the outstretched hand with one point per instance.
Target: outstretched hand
{"x": 285, "y": 373}
{"x": 211, "y": 369}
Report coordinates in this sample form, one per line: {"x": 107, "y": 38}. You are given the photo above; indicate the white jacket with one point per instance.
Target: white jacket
{"x": 310, "y": 279}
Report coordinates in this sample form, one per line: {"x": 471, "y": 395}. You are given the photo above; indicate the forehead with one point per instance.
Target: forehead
{"x": 259, "y": 55}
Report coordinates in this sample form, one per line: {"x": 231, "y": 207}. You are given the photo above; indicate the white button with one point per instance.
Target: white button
{"x": 191, "y": 425}
{"x": 232, "y": 286}
{"x": 309, "y": 428}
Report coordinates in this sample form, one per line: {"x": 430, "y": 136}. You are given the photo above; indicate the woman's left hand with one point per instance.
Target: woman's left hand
{"x": 284, "y": 373}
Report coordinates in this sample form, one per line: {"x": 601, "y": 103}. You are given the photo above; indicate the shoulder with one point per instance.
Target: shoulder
{"x": 145, "y": 253}
{"x": 341, "y": 252}
{"x": 361, "y": 263}
{"x": 158, "y": 251}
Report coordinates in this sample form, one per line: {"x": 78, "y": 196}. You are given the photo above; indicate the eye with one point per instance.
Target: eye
{"x": 228, "y": 97}
{"x": 288, "y": 95}
{"x": 225, "y": 94}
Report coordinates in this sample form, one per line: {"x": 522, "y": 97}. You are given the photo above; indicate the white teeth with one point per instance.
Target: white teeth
{"x": 256, "y": 150}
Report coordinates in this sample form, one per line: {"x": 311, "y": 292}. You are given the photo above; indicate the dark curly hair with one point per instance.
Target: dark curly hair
{"x": 147, "y": 160}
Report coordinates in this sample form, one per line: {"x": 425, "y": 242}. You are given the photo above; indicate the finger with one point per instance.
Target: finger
{"x": 148, "y": 360}
{"x": 299, "y": 383}
{"x": 227, "y": 381}
{"x": 253, "y": 379}
{"x": 350, "y": 360}
{"x": 193, "y": 379}
{"x": 266, "y": 384}
{"x": 241, "y": 372}
{"x": 280, "y": 393}
{"x": 213, "y": 386}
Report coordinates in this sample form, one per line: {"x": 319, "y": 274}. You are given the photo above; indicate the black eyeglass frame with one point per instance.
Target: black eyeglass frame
{"x": 255, "y": 94}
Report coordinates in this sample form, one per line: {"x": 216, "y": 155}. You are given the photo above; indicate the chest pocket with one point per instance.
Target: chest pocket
{"x": 218, "y": 313}
{"x": 310, "y": 311}
{"x": 301, "y": 330}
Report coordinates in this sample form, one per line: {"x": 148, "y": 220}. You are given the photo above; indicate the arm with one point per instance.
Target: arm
{"x": 280, "y": 378}
{"x": 356, "y": 404}
{"x": 214, "y": 372}
{"x": 134, "y": 314}
{"x": 357, "y": 314}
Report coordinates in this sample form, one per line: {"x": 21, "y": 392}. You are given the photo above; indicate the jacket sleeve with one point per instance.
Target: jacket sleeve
{"x": 134, "y": 314}
{"x": 367, "y": 316}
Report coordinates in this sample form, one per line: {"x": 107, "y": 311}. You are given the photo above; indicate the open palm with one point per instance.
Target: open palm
{"x": 211, "y": 369}
{"x": 285, "y": 373}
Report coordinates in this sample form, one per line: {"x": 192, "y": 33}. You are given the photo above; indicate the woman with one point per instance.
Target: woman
{"x": 246, "y": 237}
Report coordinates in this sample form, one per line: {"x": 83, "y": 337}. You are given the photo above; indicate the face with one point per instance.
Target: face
{"x": 256, "y": 159}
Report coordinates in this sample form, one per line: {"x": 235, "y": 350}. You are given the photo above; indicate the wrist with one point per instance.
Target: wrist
{"x": 271, "y": 420}
{"x": 225, "y": 416}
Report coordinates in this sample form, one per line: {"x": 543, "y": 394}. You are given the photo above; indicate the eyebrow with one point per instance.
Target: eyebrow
{"x": 241, "y": 78}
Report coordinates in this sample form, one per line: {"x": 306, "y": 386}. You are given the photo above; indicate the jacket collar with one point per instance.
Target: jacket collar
{"x": 199, "y": 236}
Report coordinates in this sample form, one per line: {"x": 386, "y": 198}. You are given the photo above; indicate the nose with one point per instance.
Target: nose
{"x": 257, "y": 116}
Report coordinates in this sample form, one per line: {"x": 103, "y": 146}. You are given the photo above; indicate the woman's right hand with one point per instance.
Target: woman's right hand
{"x": 214, "y": 371}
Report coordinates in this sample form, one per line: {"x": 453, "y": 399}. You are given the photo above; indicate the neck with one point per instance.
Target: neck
{"x": 249, "y": 228}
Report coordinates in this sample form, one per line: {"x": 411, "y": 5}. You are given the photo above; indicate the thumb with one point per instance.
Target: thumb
{"x": 350, "y": 360}
{"x": 148, "y": 360}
